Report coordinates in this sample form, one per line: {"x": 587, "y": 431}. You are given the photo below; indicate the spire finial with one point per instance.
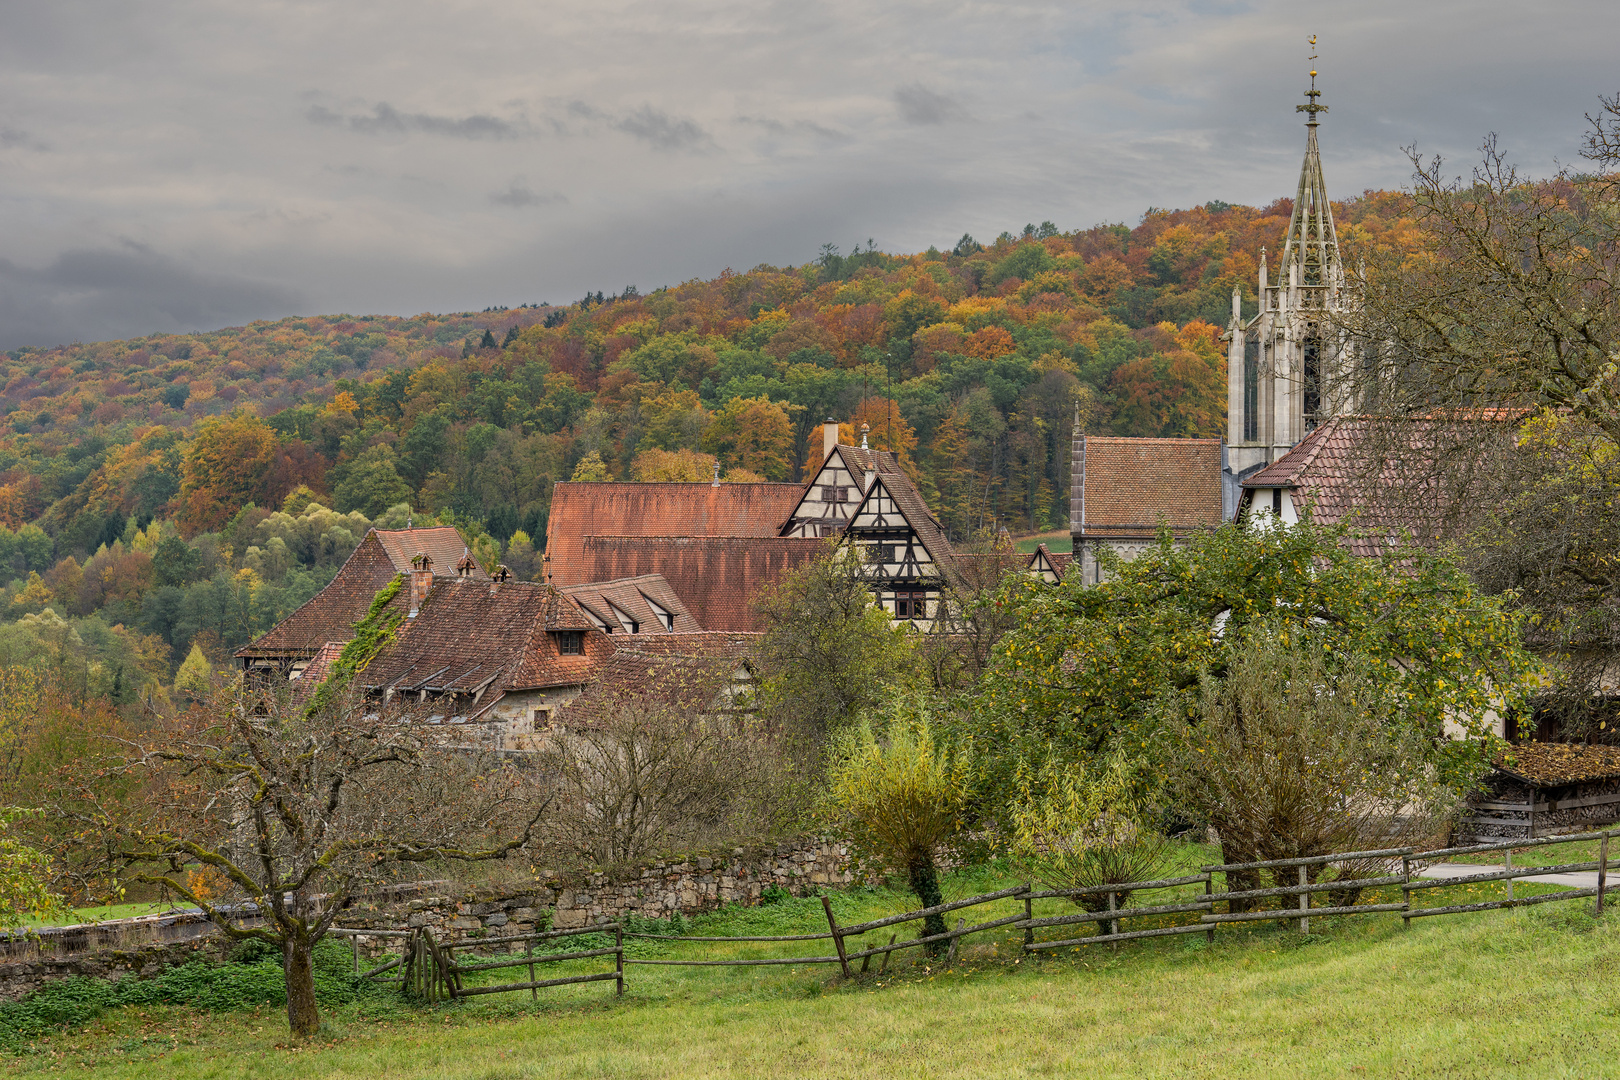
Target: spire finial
{"x": 864, "y": 429}
{"x": 1311, "y": 107}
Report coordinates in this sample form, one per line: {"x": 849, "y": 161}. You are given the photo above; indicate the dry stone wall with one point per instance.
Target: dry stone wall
{"x": 689, "y": 885}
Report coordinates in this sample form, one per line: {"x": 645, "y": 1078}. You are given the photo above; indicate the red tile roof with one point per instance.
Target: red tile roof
{"x": 579, "y": 510}
{"x": 635, "y": 597}
{"x": 1124, "y": 487}
{"x": 716, "y": 576}
{"x": 1332, "y": 474}
{"x": 330, "y": 614}
{"x": 693, "y": 679}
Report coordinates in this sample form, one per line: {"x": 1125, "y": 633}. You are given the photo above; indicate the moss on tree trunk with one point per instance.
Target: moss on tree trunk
{"x": 925, "y": 883}
{"x": 298, "y": 964}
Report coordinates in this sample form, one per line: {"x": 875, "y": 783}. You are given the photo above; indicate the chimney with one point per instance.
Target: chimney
{"x": 421, "y": 581}
{"x": 829, "y": 438}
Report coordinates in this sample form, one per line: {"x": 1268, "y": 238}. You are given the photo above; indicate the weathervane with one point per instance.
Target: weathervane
{"x": 1313, "y": 93}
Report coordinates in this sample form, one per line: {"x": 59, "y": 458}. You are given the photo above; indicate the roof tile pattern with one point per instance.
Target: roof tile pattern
{"x": 634, "y": 597}
{"x": 1132, "y": 484}
{"x": 579, "y": 510}
{"x": 475, "y": 635}
{"x": 716, "y": 577}
{"x": 330, "y": 614}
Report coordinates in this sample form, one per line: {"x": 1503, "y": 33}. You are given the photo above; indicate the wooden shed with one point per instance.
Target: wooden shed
{"x": 1541, "y": 789}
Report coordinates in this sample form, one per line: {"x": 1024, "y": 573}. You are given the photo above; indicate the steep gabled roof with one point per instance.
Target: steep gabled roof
{"x": 474, "y": 637}
{"x": 330, "y": 614}
{"x": 1042, "y": 560}
{"x": 647, "y": 599}
{"x": 579, "y": 510}
{"x": 897, "y": 485}
{"x": 693, "y": 677}
{"x": 716, "y": 577}
{"x": 1124, "y": 487}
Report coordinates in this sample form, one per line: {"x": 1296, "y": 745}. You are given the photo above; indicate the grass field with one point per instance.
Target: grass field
{"x": 1519, "y": 993}
{"x": 1059, "y": 542}
{"x": 104, "y": 912}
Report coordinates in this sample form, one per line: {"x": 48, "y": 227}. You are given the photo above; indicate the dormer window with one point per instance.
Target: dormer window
{"x": 571, "y": 642}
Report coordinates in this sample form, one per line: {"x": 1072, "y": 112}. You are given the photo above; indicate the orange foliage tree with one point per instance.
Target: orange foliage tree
{"x": 225, "y": 469}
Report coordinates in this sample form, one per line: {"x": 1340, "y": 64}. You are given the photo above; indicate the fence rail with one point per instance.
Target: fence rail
{"x": 429, "y": 970}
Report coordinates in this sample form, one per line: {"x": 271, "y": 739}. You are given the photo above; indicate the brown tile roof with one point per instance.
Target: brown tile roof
{"x": 1058, "y": 561}
{"x": 1128, "y": 485}
{"x": 472, "y": 636}
{"x": 635, "y": 597}
{"x": 316, "y": 671}
{"x": 715, "y": 576}
{"x": 1332, "y": 474}
{"x": 330, "y": 614}
{"x": 1552, "y": 764}
{"x": 442, "y": 544}
{"x": 579, "y": 510}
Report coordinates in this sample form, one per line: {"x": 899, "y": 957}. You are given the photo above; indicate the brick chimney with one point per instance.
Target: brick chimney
{"x": 421, "y": 581}
{"x": 829, "y": 438}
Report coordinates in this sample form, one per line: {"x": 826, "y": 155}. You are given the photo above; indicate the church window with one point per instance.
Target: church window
{"x": 1251, "y": 387}
{"x": 1313, "y": 380}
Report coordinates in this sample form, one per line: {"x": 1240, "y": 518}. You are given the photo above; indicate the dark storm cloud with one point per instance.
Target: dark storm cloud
{"x": 920, "y": 105}
{"x": 85, "y": 294}
{"x": 384, "y": 119}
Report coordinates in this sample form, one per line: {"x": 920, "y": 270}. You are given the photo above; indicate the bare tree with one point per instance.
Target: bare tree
{"x": 662, "y": 755}
{"x": 260, "y": 813}
{"x": 1490, "y": 351}
{"x": 979, "y": 604}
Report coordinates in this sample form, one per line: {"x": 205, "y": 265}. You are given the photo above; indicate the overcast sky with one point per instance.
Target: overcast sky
{"x": 180, "y": 164}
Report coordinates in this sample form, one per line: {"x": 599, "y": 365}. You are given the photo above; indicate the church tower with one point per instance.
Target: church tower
{"x": 1281, "y": 363}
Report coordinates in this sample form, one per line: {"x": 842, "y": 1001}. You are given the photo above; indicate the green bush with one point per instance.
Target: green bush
{"x": 249, "y": 978}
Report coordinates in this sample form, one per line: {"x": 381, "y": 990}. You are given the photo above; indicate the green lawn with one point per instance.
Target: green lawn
{"x": 1059, "y": 542}
{"x": 102, "y": 913}
{"x": 1516, "y": 993}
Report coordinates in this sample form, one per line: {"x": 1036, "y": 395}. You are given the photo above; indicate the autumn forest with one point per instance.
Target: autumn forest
{"x": 164, "y": 499}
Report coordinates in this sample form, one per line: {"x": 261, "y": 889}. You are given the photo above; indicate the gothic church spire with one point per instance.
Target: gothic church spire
{"x": 1311, "y": 250}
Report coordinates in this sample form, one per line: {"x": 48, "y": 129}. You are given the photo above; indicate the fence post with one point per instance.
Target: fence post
{"x": 618, "y": 957}
{"x": 1603, "y": 869}
{"x": 1304, "y": 902}
{"x": 1406, "y": 891}
{"x": 1209, "y": 890}
{"x": 887, "y": 953}
{"x": 1029, "y": 915}
{"x": 1508, "y": 856}
{"x": 838, "y": 939}
{"x": 528, "y": 950}
{"x": 354, "y": 940}
{"x": 950, "y": 957}
{"x": 1113, "y": 925}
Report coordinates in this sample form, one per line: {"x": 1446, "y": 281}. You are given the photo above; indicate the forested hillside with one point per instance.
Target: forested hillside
{"x": 165, "y": 491}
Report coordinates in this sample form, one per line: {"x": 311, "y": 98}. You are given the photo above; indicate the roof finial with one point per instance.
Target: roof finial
{"x": 864, "y": 429}
{"x": 716, "y": 472}
{"x": 1313, "y": 93}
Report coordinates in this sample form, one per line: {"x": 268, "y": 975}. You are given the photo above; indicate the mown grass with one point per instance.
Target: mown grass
{"x": 103, "y": 913}
{"x": 1514, "y": 993}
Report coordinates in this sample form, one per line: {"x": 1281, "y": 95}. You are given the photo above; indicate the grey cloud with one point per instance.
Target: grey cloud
{"x": 920, "y": 105}
{"x": 797, "y": 127}
{"x": 387, "y": 120}
{"x": 518, "y": 195}
{"x": 17, "y": 137}
{"x": 88, "y": 293}
{"x": 662, "y": 130}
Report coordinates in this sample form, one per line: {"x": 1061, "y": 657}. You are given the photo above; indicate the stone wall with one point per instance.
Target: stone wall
{"x": 690, "y": 885}
{"x": 22, "y": 977}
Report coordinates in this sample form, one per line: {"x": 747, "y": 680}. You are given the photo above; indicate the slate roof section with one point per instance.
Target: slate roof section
{"x": 1124, "y": 487}
{"x": 330, "y": 614}
{"x": 716, "y": 577}
{"x": 477, "y": 637}
{"x": 612, "y": 602}
{"x": 579, "y": 510}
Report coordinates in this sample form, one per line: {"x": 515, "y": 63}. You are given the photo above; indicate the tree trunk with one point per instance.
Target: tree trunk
{"x": 925, "y": 883}
{"x": 1239, "y": 880}
{"x": 298, "y": 966}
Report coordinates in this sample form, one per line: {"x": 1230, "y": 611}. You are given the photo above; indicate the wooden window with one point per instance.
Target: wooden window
{"x": 843, "y": 494}
{"x": 911, "y": 605}
{"x": 571, "y": 642}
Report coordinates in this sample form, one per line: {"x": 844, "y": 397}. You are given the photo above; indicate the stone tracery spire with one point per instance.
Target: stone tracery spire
{"x": 1311, "y": 250}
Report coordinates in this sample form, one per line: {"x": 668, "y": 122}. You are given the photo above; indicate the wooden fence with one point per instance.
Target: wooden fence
{"x": 429, "y": 970}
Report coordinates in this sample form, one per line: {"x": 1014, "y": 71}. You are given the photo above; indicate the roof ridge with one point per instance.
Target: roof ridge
{"x": 318, "y": 592}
